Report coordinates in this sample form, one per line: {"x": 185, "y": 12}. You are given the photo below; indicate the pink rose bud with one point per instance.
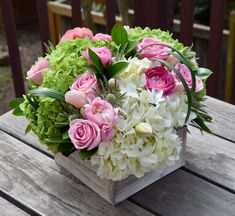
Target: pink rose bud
{"x": 76, "y": 33}
{"x": 159, "y": 78}
{"x": 76, "y": 98}
{"x": 35, "y": 73}
{"x": 144, "y": 129}
{"x": 103, "y": 53}
{"x": 84, "y": 134}
{"x": 188, "y": 78}
{"x": 151, "y": 48}
{"x": 86, "y": 83}
{"x": 173, "y": 60}
{"x": 101, "y": 36}
{"x": 103, "y": 114}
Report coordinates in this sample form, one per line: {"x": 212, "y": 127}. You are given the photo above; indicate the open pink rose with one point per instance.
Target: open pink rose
{"x": 76, "y": 98}
{"x": 103, "y": 52}
{"x": 188, "y": 78}
{"x": 152, "y": 51}
{"x": 35, "y": 73}
{"x": 103, "y": 114}
{"x": 86, "y": 83}
{"x": 101, "y": 36}
{"x": 159, "y": 78}
{"x": 84, "y": 134}
{"x": 76, "y": 33}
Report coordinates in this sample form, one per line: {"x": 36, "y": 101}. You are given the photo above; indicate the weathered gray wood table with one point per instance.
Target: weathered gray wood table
{"x": 31, "y": 183}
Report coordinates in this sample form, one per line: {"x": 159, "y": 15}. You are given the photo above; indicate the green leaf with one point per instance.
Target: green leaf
{"x": 16, "y": 102}
{"x": 201, "y": 124}
{"x": 47, "y": 92}
{"x": 27, "y": 129}
{"x": 65, "y": 135}
{"x": 58, "y": 140}
{"x": 85, "y": 154}
{"x": 117, "y": 68}
{"x": 189, "y": 96}
{"x": 95, "y": 59}
{"x": 18, "y": 112}
{"x": 203, "y": 73}
{"x": 90, "y": 68}
{"x": 119, "y": 35}
{"x": 130, "y": 46}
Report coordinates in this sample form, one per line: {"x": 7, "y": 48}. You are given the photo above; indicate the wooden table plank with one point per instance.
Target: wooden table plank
{"x": 35, "y": 180}
{"x": 211, "y": 157}
{"x": 182, "y": 194}
{"x": 28, "y": 173}
{"x": 223, "y": 118}
{"x": 8, "y": 209}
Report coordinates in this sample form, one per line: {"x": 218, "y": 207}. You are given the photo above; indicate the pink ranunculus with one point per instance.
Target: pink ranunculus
{"x": 103, "y": 52}
{"x": 84, "y": 134}
{"x": 188, "y": 78}
{"x": 156, "y": 50}
{"x": 159, "y": 78}
{"x": 86, "y": 83}
{"x": 35, "y": 73}
{"x": 101, "y": 36}
{"x": 103, "y": 114}
{"x": 76, "y": 33}
{"x": 76, "y": 98}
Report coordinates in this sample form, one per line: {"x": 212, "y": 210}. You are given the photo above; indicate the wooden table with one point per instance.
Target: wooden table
{"x": 31, "y": 182}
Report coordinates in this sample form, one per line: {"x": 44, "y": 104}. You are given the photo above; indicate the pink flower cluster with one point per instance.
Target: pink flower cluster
{"x": 160, "y": 77}
{"x": 99, "y": 115}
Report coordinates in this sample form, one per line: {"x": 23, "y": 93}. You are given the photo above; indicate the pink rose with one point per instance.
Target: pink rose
{"x": 84, "y": 134}
{"x": 153, "y": 51}
{"x": 76, "y": 33}
{"x": 86, "y": 83}
{"x": 188, "y": 78}
{"x": 103, "y": 114}
{"x": 76, "y": 98}
{"x": 35, "y": 73}
{"x": 103, "y": 52}
{"x": 101, "y": 36}
{"x": 159, "y": 78}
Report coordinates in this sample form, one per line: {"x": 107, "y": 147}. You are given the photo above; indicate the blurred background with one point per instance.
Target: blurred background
{"x": 190, "y": 21}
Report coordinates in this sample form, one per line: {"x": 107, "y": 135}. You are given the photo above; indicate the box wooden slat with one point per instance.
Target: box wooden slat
{"x": 115, "y": 192}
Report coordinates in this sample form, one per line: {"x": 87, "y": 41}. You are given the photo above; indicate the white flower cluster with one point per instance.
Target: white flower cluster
{"x": 131, "y": 153}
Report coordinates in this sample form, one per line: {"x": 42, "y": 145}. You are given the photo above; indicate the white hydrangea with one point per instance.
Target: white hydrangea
{"x": 130, "y": 153}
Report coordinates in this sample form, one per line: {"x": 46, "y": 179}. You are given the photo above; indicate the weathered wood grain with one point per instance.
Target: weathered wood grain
{"x": 15, "y": 126}
{"x": 223, "y": 118}
{"x": 8, "y": 209}
{"x": 182, "y": 194}
{"x": 212, "y": 157}
{"x": 33, "y": 179}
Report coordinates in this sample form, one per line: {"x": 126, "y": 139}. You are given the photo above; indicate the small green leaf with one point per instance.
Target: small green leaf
{"x": 47, "y": 92}
{"x": 65, "y": 135}
{"x": 130, "y": 46}
{"x": 119, "y": 35}
{"x": 117, "y": 68}
{"x": 201, "y": 124}
{"x": 16, "y": 102}
{"x": 203, "y": 73}
{"x": 85, "y": 154}
{"x": 27, "y": 129}
{"x": 58, "y": 140}
{"x": 95, "y": 59}
{"x": 18, "y": 112}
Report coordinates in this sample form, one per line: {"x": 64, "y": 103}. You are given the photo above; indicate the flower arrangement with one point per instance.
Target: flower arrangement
{"x": 118, "y": 99}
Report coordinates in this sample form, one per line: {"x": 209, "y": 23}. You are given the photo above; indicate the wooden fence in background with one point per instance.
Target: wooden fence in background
{"x": 152, "y": 13}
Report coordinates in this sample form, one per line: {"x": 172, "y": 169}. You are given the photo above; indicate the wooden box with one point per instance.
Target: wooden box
{"x": 115, "y": 192}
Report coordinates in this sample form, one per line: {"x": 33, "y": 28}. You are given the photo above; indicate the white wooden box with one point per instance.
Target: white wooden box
{"x": 115, "y": 192}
